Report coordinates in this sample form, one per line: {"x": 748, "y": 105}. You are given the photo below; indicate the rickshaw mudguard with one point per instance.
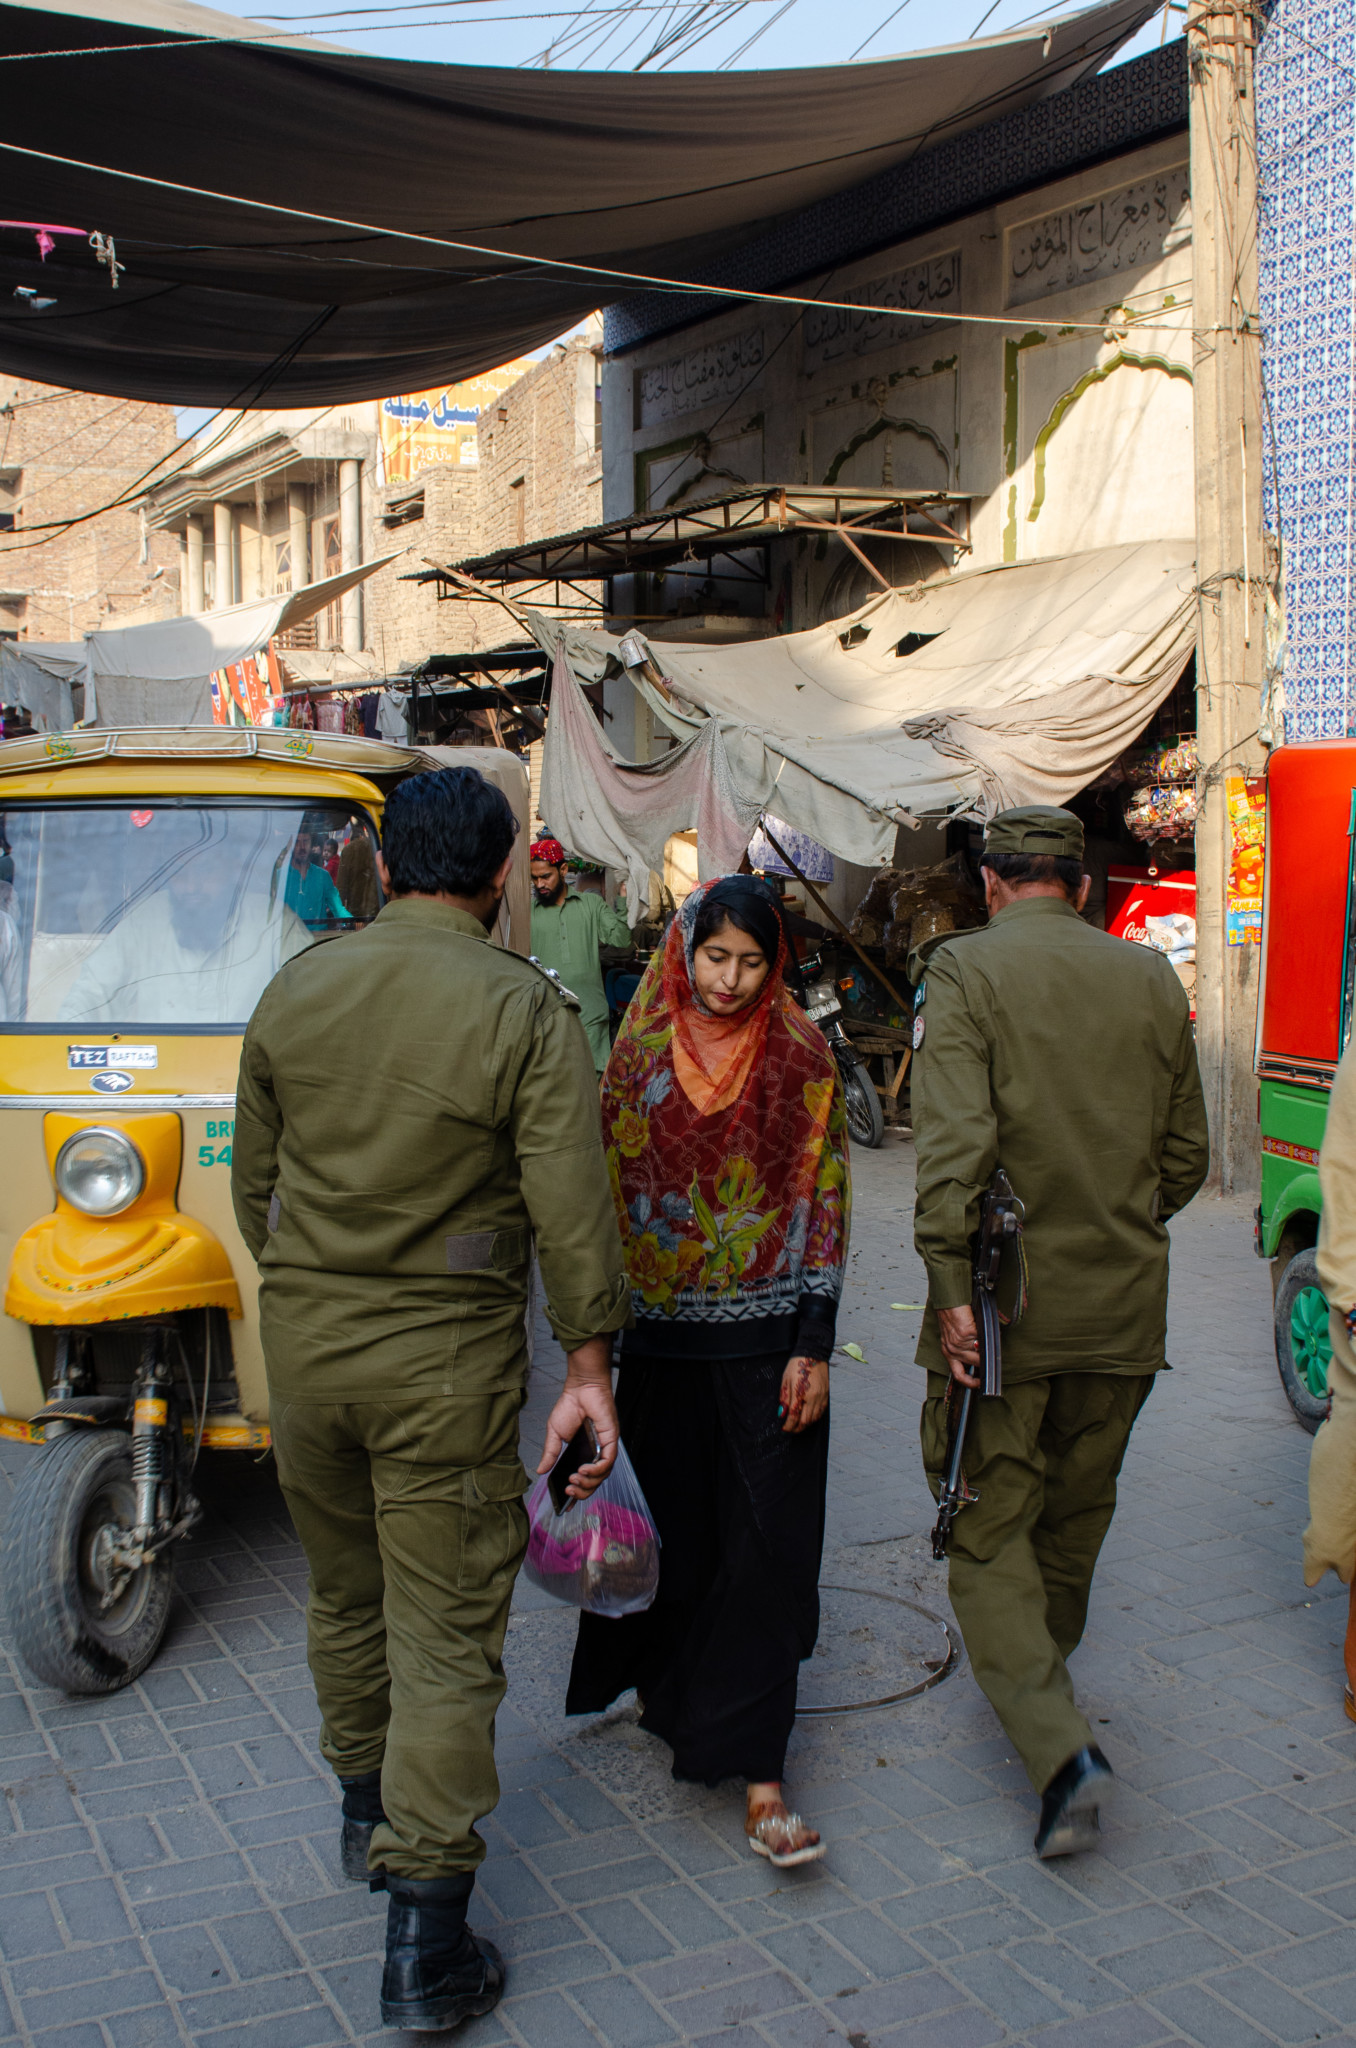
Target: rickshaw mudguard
{"x": 70, "y": 1269}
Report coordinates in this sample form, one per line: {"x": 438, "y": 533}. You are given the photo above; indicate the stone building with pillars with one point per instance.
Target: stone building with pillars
{"x": 272, "y": 501}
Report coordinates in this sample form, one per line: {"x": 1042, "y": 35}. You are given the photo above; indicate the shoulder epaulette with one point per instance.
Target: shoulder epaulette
{"x": 567, "y": 995}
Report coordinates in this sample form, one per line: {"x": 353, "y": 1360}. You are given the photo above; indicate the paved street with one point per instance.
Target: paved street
{"x": 170, "y": 1875}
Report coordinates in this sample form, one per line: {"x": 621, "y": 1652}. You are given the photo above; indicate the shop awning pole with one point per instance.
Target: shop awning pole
{"x": 904, "y": 1002}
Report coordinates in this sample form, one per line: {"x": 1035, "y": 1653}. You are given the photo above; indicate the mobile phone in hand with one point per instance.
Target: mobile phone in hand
{"x": 582, "y": 1449}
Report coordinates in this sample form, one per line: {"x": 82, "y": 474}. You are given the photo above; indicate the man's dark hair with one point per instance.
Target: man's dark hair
{"x": 1016, "y": 868}
{"x": 450, "y": 830}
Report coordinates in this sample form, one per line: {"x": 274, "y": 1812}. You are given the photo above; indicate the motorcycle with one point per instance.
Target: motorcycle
{"x": 865, "y": 1117}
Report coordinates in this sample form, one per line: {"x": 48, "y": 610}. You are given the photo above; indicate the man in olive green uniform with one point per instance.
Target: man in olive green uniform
{"x": 1067, "y": 1057}
{"x": 567, "y": 930}
{"x": 415, "y": 1107}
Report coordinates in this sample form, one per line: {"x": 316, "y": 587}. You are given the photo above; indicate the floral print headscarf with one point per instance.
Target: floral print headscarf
{"x": 739, "y": 1212}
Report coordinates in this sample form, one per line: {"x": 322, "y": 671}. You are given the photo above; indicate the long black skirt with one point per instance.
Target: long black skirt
{"x": 740, "y": 1510}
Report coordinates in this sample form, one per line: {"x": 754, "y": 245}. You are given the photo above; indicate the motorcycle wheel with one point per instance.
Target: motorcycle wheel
{"x": 865, "y": 1116}
{"x": 75, "y": 1490}
{"x": 1303, "y": 1348}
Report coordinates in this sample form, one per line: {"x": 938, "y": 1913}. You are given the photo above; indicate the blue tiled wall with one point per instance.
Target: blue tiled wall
{"x": 1306, "y": 79}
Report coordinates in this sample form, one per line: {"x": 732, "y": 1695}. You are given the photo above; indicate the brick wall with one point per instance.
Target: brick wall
{"x": 539, "y": 473}
{"x": 64, "y": 453}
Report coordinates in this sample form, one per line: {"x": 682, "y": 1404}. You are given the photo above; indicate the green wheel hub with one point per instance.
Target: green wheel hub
{"x": 1309, "y": 1342}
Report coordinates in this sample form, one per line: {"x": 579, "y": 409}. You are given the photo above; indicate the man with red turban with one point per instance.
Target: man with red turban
{"x": 568, "y": 927}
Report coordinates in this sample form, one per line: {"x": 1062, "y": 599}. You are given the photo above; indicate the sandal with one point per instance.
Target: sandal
{"x": 771, "y": 1827}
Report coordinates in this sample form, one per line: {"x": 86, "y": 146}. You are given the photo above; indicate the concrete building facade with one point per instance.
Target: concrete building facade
{"x": 1067, "y": 427}
{"x": 63, "y": 456}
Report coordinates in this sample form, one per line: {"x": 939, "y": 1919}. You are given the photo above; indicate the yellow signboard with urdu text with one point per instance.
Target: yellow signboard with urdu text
{"x": 423, "y": 428}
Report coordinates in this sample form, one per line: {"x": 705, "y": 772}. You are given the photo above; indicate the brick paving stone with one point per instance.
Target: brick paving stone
{"x": 168, "y": 1867}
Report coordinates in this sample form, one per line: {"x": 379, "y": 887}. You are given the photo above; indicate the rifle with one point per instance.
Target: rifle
{"x": 1000, "y": 1226}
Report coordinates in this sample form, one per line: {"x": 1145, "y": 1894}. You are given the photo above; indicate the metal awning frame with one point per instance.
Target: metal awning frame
{"x": 732, "y": 524}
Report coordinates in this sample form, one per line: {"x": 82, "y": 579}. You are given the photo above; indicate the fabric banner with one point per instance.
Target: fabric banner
{"x": 248, "y": 691}
{"x": 621, "y": 813}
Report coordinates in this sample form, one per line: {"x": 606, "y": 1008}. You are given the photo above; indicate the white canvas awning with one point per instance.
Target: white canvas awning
{"x": 157, "y": 674}
{"x": 1008, "y": 685}
{"x": 37, "y": 676}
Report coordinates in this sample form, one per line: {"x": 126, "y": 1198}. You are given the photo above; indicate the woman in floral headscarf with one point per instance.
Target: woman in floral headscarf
{"x": 726, "y": 1133}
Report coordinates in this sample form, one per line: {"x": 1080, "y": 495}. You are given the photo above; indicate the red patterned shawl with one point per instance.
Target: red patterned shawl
{"x": 738, "y": 1213}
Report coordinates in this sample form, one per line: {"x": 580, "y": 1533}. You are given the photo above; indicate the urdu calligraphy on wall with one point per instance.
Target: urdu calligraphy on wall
{"x": 833, "y": 335}
{"x": 1100, "y": 238}
{"x": 699, "y": 377}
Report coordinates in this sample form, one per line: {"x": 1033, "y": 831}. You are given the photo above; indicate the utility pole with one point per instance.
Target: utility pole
{"x": 1232, "y": 562}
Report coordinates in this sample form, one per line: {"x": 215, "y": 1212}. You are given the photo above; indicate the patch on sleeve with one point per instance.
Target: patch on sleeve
{"x": 919, "y": 1027}
{"x": 567, "y": 995}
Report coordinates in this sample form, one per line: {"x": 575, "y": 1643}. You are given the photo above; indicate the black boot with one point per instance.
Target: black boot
{"x": 437, "y": 1972}
{"x": 1071, "y": 1803}
{"x": 362, "y": 1809}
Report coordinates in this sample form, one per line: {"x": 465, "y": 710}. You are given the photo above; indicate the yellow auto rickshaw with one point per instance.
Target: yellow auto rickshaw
{"x": 151, "y": 883}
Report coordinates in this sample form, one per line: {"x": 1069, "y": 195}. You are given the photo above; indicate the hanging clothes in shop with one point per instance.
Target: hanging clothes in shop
{"x": 393, "y": 722}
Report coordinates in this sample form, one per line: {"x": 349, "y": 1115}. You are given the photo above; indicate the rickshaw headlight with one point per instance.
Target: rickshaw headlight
{"x": 99, "y": 1171}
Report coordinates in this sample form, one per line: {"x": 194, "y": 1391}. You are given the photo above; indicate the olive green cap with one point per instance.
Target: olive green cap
{"x": 1036, "y": 829}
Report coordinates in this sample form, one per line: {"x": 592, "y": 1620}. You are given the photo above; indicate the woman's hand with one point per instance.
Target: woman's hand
{"x": 805, "y": 1394}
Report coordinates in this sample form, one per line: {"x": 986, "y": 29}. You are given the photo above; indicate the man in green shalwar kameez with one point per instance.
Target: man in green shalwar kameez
{"x": 567, "y": 930}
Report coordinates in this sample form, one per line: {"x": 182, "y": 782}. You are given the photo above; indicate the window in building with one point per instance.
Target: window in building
{"x": 11, "y": 481}
{"x": 518, "y": 500}
{"x": 404, "y": 507}
{"x": 7, "y": 522}
{"x": 282, "y": 564}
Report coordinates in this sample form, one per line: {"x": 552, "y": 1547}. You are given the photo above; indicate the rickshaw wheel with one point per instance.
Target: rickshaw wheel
{"x": 1303, "y": 1347}
{"x": 76, "y": 1493}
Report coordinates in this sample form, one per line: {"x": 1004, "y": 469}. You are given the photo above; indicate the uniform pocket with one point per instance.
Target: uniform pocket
{"x": 493, "y": 1524}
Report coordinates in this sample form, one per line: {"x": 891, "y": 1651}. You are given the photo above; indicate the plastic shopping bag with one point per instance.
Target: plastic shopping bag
{"x": 601, "y": 1554}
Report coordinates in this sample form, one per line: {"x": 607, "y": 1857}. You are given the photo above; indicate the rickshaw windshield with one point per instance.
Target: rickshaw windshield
{"x": 175, "y": 913}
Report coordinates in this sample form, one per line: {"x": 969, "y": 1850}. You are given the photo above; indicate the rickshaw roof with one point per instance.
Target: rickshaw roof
{"x": 178, "y": 756}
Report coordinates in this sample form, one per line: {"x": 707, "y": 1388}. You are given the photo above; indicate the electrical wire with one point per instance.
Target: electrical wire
{"x": 878, "y": 31}
{"x": 741, "y": 293}
{"x": 246, "y": 400}
{"x": 729, "y": 62}
{"x": 308, "y": 46}
{"x": 993, "y": 9}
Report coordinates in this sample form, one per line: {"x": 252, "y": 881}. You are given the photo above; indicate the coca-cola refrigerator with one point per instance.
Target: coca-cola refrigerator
{"x": 1157, "y": 910}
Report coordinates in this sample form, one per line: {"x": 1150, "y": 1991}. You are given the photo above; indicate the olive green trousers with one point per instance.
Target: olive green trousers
{"x": 411, "y": 1515}
{"x": 1044, "y": 1459}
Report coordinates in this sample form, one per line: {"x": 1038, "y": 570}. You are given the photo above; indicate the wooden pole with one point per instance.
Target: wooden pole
{"x": 1231, "y": 554}
{"x": 905, "y": 1002}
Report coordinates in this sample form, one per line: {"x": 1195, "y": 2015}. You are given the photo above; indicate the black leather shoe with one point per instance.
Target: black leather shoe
{"x": 437, "y": 1972}
{"x": 361, "y": 1810}
{"x": 1071, "y": 1803}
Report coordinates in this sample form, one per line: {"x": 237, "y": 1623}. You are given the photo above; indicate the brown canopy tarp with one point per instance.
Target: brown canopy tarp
{"x": 221, "y": 303}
